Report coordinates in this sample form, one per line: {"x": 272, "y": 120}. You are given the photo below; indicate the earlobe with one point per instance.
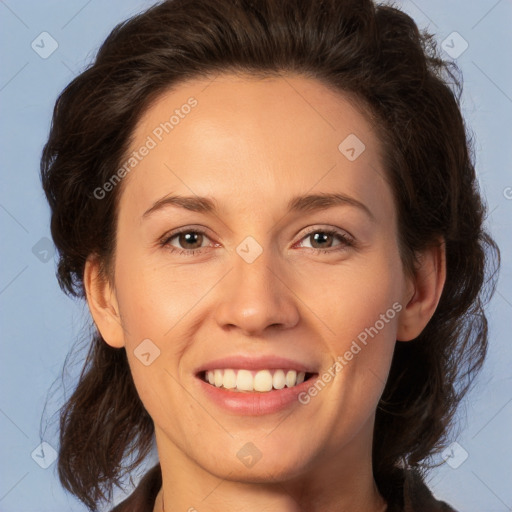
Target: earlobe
{"x": 102, "y": 303}
{"x": 427, "y": 285}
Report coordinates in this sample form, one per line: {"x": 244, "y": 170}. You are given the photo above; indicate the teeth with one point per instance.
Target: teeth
{"x": 246, "y": 380}
{"x": 279, "y": 379}
{"x": 291, "y": 378}
{"x": 229, "y": 379}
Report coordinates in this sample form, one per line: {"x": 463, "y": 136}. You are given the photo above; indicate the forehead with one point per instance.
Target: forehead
{"x": 265, "y": 138}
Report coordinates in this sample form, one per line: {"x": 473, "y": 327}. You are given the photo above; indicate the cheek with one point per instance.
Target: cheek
{"x": 352, "y": 299}
{"x": 370, "y": 314}
{"x": 360, "y": 310}
{"x": 151, "y": 300}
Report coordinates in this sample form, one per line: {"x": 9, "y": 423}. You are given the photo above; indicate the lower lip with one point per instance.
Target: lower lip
{"x": 256, "y": 403}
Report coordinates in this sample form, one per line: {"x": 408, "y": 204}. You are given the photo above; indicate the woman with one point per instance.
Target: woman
{"x": 272, "y": 212}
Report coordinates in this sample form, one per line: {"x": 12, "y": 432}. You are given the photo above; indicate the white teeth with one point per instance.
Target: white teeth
{"x": 279, "y": 379}
{"x": 244, "y": 380}
{"x": 247, "y": 380}
{"x": 218, "y": 378}
{"x": 291, "y": 378}
{"x": 229, "y": 379}
{"x": 263, "y": 381}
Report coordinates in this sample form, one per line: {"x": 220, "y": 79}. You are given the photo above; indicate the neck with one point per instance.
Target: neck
{"x": 379, "y": 506}
{"x": 341, "y": 482}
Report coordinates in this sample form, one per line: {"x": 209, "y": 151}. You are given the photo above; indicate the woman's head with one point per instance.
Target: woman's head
{"x": 253, "y": 105}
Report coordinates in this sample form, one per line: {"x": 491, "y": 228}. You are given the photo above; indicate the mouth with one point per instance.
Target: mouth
{"x": 254, "y": 381}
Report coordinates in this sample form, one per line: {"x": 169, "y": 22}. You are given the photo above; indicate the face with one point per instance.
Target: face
{"x": 261, "y": 273}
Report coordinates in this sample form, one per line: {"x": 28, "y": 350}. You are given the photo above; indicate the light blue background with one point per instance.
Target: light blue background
{"x": 39, "y": 324}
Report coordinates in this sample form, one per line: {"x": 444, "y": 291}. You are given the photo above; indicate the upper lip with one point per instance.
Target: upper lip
{"x": 247, "y": 362}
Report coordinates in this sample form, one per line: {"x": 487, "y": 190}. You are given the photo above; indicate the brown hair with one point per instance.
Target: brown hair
{"x": 412, "y": 96}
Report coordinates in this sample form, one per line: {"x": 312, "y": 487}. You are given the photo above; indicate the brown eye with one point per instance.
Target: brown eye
{"x": 188, "y": 241}
{"x": 321, "y": 239}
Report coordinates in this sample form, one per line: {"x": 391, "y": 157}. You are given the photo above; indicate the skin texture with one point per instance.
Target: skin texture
{"x": 252, "y": 144}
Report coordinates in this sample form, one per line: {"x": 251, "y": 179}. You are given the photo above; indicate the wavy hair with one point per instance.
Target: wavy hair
{"x": 375, "y": 53}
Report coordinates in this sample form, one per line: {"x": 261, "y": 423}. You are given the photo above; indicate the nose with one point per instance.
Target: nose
{"x": 256, "y": 296}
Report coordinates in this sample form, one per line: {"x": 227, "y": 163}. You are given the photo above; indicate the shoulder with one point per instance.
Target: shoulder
{"x": 142, "y": 499}
{"x": 417, "y": 497}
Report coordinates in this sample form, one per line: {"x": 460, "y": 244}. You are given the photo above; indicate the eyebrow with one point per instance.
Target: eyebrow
{"x": 305, "y": 203}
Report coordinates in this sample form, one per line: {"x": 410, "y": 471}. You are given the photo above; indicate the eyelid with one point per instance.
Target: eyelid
{"x": 195, "y": 228}
{"x": 330, "y": 229}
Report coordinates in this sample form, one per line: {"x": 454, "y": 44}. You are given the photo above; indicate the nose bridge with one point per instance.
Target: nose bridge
{"x": 255, "y": 295}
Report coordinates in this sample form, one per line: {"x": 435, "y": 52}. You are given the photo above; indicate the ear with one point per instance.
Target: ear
{"x": 102, "y": 303}
{"x": 426, "y": 287}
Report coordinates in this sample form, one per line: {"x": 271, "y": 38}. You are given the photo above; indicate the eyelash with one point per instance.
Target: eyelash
{"x": 347, "y": 241}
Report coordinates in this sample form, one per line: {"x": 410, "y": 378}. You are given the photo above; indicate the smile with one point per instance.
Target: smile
{"x": 262, "y": 381}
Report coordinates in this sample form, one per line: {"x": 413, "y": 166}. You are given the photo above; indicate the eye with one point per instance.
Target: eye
{"x": 322, "y": 240}
{"x": 189, "y": 240}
